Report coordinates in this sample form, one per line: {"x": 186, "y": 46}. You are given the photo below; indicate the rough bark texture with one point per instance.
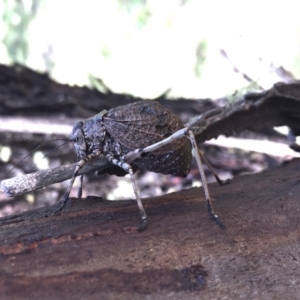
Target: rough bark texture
{"x": 25, "y": 92}
{"x": 275, "y": 107}
{"x": 93, "y": 251}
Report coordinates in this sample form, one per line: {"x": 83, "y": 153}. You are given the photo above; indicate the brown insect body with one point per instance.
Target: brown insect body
{"x": 141, "y": 135}
{"x": 134, "y": 126}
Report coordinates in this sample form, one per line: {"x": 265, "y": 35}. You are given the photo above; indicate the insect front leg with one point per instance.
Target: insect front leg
{"x": 79, "y": 194}
{"x": 79, "y": 166}
{"x": 125, "y": 166}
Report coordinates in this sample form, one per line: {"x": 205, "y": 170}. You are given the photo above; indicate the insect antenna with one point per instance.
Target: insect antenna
{"x": 66, "y": 142}
{"x": 38, "y": 147}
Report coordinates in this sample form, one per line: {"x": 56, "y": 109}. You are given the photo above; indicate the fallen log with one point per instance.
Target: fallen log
{"x": 93, "y": 251}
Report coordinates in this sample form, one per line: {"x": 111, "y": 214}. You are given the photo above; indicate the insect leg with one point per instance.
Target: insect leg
{"x": 133, "y": 155}
{"x": 79, "y": 166}
{"x": 205, "y": 187}
{"x": 125, "y": 166}
{"x": 220, "y": 181}
{"x": 79, "y": 194}
{"x": 178, "y": 134}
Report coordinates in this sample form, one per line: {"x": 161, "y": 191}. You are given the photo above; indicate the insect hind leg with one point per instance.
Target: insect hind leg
{"x": 218, "y": 179}
{"x": 205, "y": 187}
{"x": 131, "y": 156}
{"x": 125, "y": 166}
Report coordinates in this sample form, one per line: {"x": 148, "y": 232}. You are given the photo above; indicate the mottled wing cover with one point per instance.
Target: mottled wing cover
{"x": 144, "y": 123}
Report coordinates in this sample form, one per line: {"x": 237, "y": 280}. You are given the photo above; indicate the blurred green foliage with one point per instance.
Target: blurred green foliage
{"x": 143, "y": 47}
{"x": 138, "y": 10}
{"x": 17, "y": 16}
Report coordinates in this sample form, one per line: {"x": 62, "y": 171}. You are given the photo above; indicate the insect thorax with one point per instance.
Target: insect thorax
{"x": 89, "y": 135}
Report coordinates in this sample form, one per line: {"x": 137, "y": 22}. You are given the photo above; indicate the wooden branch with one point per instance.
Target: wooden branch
{"x": 32, "y": 94}
{"x": 93, "y": 251}
{"x": 275, "y": 107}
{"x": 49, "y": 125}
{"x": 29, "y": 182}
{"x": 38, "y": 180}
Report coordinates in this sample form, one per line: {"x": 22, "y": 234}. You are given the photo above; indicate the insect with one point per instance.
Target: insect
{"x": 140, "y": 135}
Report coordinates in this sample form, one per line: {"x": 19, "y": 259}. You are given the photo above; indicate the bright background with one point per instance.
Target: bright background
{"x": 146, "y": 47}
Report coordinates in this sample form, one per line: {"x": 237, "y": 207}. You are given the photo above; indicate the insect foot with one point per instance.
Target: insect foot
{"x": 141, "y": 135}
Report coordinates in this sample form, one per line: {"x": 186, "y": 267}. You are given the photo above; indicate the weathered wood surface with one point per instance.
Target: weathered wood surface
{"x": 276, "y": 107}
{"x": 92, "y": 251}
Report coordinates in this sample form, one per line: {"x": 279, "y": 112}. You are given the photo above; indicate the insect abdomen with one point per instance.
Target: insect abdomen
{"x": 176, "y": 162}
{"x": 144, "y": 123}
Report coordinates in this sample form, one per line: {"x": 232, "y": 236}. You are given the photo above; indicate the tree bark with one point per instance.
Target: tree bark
{"x": 93, "y": 250}
{"x": 275, "y": 107}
